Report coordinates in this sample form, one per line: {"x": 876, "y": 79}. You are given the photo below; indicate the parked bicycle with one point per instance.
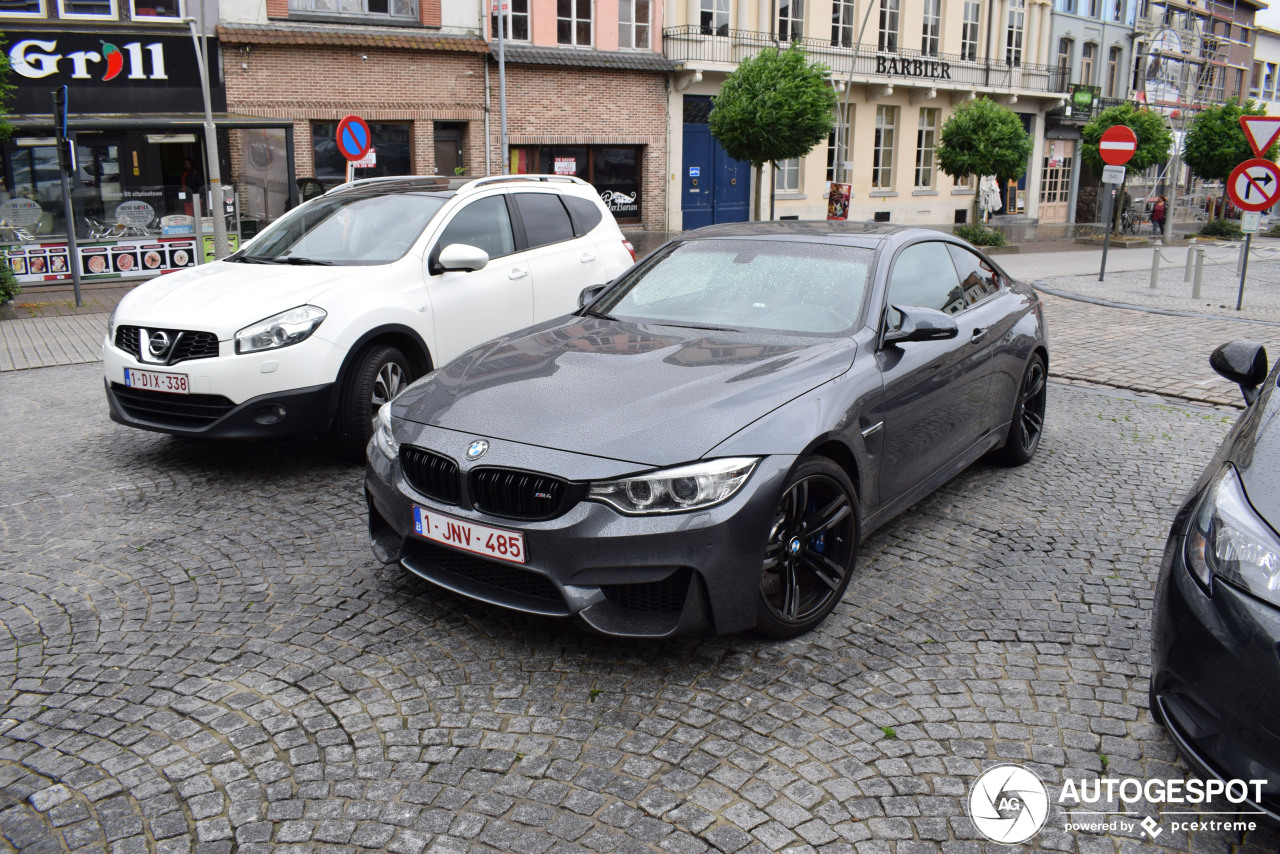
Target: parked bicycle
{"x": 1129, "y": 222}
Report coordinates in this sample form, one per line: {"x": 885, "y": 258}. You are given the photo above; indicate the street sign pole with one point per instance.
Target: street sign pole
{"x": 1106, "y": 241}
{"x": 1248, "y": 238}
{"x": 1116, "y": 147}
{"x": 67, "y": 160}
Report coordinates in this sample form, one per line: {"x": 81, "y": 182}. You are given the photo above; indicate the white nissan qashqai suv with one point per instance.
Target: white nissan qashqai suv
{"x": 343, "y": 301}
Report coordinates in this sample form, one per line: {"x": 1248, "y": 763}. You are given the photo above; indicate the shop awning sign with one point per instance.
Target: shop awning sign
{"x": 354, "y": 139}
{"x": 1260, "y": 131}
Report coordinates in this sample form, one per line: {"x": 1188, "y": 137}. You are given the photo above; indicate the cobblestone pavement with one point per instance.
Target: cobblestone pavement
{"x": 198, "y": 654}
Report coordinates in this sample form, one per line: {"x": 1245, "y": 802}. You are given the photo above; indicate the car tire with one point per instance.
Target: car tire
{"x": 379, "y": 373}
{"x": 1026, "y": 424}
{"x": 804, "y": 574}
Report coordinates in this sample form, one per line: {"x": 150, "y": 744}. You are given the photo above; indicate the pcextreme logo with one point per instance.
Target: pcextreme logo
{"x": 36, "y": 59}
{"x": 1009, "y": 804}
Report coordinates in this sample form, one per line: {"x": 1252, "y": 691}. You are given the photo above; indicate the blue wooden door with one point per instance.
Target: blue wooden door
{"x": 713, "y": 186}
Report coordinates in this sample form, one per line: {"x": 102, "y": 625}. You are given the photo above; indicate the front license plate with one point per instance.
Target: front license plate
{"x": 156, "y": 381}
{"x": 477, "y": 539}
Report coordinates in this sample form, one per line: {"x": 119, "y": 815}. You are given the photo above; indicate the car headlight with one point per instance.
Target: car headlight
{"x": 675, "y": 490}
{"x": 1228, "y": 539}
{"x": 111, "y": 324}
{"x": 383, "y": 435}
{"x": 280, "y": 330}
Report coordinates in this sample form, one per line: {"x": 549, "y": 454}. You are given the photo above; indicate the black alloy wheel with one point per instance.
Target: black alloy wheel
{"x": 810, "y": 552}
{"x": 1027, "y": 422}
{"x": 378, "y": 375}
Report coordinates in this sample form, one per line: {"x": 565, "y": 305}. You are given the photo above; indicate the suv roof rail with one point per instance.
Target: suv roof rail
{"x": 531, "y": 177}
{"x": 426, "y": 182}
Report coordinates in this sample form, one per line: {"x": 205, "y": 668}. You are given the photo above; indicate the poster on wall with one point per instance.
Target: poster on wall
{"x": 34, "y": 263}
{"x": 566, "y": 166}
{"x": 838, "y": 200}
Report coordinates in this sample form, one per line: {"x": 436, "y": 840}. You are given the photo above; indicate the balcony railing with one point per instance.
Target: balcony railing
{"x": 691, "y": 44}
{"x": 1085, "y": 113}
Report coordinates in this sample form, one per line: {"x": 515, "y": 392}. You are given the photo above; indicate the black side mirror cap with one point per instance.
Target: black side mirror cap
{"x": 921, "y": 324}
{"x": 1243, "y": 363}
{"x": 589, "y": 294}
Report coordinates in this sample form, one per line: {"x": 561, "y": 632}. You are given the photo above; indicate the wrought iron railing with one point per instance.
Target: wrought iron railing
{"x": 692, "y": 43}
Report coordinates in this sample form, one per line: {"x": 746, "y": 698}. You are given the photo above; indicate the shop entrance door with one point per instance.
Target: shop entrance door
{"x": 714, "y": 187}
{"x": 448, "y": 148}
{"x": 1055, "y": 182}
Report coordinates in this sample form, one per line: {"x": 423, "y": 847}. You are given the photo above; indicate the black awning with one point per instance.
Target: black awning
{"x": 191, "y": 122}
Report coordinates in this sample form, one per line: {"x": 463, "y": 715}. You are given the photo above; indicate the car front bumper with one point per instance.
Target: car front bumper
{"x": 630, "y": 576}
{"x": 1215, "y": 679}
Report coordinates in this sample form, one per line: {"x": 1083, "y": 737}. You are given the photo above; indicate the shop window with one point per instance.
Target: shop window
{"x": 86, "y": 8}
{"x": 357, "y": 8}
{"x": 392, "y": 145}
{"x": 156, "y": 9}
{"x": 22, "y": 8}
{"x": 633, "y": 23}
{"x": 573, "y": 22}
{"x": 614, "y": 170}
{"x": 545, "y": 219}
{"x": 517, "y": 26}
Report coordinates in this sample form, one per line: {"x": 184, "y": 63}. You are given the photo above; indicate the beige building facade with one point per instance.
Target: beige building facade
{"x": 898, "y": 77}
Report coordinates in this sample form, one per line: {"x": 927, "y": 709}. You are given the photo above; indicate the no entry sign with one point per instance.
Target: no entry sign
{"x": 1117, "y": 145}
{"x": 354, "y": 138}
{"x": 1254, "y": 185}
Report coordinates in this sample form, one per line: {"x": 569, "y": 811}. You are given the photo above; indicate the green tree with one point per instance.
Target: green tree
{"x": 1215, "y": 143}
{"x": 6, "y": 92}
{"x": 1155, "y": 143}
{"x": 984, "y": 138}
{"x": 775, "y": 106}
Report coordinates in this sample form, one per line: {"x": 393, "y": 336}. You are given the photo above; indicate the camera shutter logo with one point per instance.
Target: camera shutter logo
{"x": 1008, "y": 804}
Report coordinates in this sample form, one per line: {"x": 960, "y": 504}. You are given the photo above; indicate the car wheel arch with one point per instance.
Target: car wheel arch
{"x": 840, "y": 454}
{"x": 403, "y": 338}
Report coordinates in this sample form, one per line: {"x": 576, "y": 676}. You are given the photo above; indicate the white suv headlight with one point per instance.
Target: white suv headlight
{"x": 280, "y": 330}
{"x": 676, "y": 490}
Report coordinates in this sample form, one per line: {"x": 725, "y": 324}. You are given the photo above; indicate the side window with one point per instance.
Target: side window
{"x": 545, "y": 219}
{"x": 977, "y": 279}
{"x": 924, "y": 276}
{"x": 484, "y": 223}
{"x": 585, "y": 214}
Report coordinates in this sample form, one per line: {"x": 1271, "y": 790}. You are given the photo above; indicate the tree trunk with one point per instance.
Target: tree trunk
{"x": 773, "y": 187}
{"x": 759, "y": 188}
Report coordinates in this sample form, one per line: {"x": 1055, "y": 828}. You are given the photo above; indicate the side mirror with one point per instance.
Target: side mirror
{"x": 460, "y": 256}
{"x": 1243, "y": 363}
{"x": 589, "y": 295}
{"x": 921, "y": 324}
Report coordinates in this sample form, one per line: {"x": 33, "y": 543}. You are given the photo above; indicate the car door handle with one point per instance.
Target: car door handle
{"x": 978, "y": 334}
{"x": 517, "y": 273}
{"x": 587, "y": 258}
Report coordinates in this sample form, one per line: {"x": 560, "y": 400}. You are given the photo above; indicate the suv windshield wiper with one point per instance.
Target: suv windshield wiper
{"x": 251, "y": 259}
{"x": 294, "y": 259}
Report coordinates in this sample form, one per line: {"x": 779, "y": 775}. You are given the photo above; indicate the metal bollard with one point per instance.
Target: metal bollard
{"x": 1155, "y": 264}
{"x": 1191, "y": 254}
{"x": 1195, "y": 288}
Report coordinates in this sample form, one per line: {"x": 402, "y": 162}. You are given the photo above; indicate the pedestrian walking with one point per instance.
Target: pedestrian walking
{"x": 1157, "y": 216}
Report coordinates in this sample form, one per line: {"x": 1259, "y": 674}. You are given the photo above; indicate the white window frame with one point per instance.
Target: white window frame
{"x": 133, "y": 12}
{"x": 786, "y": 176}
{"x": 574, "y": 20}
{"x": 634, "y": 24}
{"x": 1015, "y": 32}
{"x": 926, "y": 149}
{"x": 1114, "y": 55}
{"x": 931, "y": 30}
{"x": 886, "y": 141}
{"x": 791, "y": 12}
{"x": 718, "y": 14}
{"x": 114, "y": 14}
{"x": 844, "y": 16}
{"x": 40, "y": 12}
{"x": 969, "y": 37}
{"x": 1088, "y": 54}
{"x": 493, "y": 23}
{"x": 890, "y": 26}
{"x": 843, "y": 114}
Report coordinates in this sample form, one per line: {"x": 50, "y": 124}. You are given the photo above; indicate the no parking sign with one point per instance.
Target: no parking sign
{"x": 354, "y": 138}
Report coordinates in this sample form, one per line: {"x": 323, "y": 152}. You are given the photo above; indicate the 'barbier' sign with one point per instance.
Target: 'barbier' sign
{"x": 904, "y": 67}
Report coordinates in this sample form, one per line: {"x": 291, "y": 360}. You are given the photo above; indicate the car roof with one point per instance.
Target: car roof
{"x": 867, "y": 234}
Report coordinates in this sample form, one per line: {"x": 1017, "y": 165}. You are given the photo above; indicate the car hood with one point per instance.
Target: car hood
{"x": 648, "y": 394}
{"x": 225, "y": 296}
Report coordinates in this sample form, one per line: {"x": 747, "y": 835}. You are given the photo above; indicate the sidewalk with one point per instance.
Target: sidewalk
{"x": 70, "y": 336}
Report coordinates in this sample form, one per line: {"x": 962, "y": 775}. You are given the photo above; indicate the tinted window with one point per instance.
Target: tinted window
{"x": 924, "y": 276}
{"x": 585, "y": 214}
{"x": 809, "y": 288}
{"x": 545, "y": 219}
{"x": 484, "y": 224}
{"x": 977, "y": 279}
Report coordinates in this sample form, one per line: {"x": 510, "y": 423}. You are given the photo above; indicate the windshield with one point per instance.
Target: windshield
{"x": 346, "y": 230}
{"x": 808, "y": 288}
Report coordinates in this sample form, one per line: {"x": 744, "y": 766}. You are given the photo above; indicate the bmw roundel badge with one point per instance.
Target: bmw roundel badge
{"x": 476, "y": 449}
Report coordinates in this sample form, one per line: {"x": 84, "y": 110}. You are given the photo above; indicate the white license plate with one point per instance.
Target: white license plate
{"x": 477, "y": 539}
{"x": 156, "y": 381}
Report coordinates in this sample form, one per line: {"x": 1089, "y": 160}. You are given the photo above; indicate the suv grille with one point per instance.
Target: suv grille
{"x": 186, "y": 345}
{"x": 431, "y": 474}
{"x": 173, "y": 410}
{"x": 518, "y": 494}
